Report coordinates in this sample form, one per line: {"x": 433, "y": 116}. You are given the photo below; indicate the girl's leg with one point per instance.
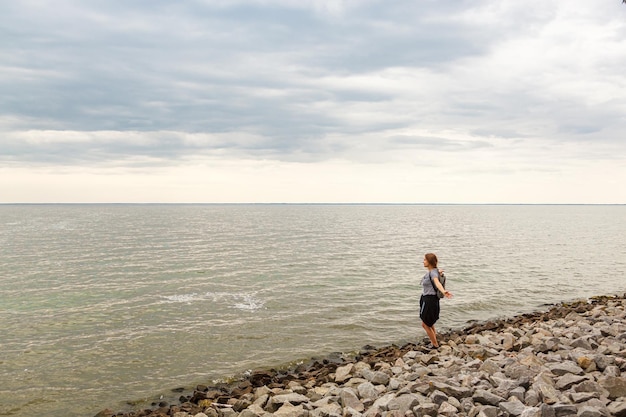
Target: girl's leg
{"x": 431, "y": 333}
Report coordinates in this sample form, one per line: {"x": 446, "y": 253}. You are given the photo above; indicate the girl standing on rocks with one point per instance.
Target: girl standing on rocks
{"x": 429, "y": 301}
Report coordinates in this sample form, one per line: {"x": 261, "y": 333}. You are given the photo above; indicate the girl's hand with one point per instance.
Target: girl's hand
{"x": 447, "y": 294}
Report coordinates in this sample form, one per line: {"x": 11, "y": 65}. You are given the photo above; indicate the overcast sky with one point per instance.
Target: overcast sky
{"x": 405, "y": 101}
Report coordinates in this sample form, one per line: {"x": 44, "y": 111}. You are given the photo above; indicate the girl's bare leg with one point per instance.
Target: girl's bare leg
{"x": 431, "y": 333}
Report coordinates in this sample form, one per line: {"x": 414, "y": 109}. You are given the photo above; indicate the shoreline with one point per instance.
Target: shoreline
{"x": 531, "y": 341}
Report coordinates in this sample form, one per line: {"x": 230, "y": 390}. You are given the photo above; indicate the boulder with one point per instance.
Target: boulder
{"x": 616, "y": 386}
{"x": 487, "y": 398}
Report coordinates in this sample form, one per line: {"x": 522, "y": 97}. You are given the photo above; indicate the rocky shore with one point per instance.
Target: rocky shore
{"x": 567, "y": 361}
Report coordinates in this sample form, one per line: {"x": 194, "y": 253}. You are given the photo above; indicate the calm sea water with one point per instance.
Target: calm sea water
{"x": 103, "y": 304}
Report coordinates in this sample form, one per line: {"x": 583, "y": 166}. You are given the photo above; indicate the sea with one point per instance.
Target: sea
{"x": 118, "y": 306}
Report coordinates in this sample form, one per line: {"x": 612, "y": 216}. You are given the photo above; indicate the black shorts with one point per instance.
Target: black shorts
{"x": 429, "y": 309}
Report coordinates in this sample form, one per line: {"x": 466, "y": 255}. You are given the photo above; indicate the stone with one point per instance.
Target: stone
{"x": 425, "y": 409}
{"x": 450, "y": 390}
{"x": 547, "y": 392}
{"x": 617, "y": 408}
{"x": 277, "y": 401}
{"x": 531, "y": 398}
{"x": 487, "y": 398}
{"x": 447, "y": 409}
{"x": 565, "y": 410}
{"x": 349, "y": 399}
{"x": 581, "y": 397}
{"x": 547, "y": 410}
{"x": 587, "y": 411}
{"x": 513, "y": 408}
{"x": 343, "y": 373}
{"x": 488, "y": 411}
{"x": 531, "y": 412}
{"x": 438, "y": 397}
{"x": 375, "y": 377}
{"x": 403, "y": 403}
{"x": 289, "y": 410}
{"x": 590, "y": 386}
{"x": 568, "y": 380}
{"x": 584, "y": 362}
{"x": 490, "y": 366}
{"x": 582, "y": 342}
{"x": 616, "y": 386}
{"x": 368, "y": 390}
{"x": 566, "y": 367}
{"x": 518, "y": 393}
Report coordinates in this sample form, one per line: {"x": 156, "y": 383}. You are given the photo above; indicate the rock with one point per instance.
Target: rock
{"x": 531, "y": 412}
{"x": 584, "y": 362}
{"x": 531, "y": 398}
{"x": 583, "y": 343}
{"x": 438, "y": 397}
{"x": 343, "y": 373}
{"x": 513, "y": 408}
{"x": 590, "y": 386}
{"x": 289, "y": 410}
{"x": 568, "y": 380}
{"x": 547, "y": 410}
{"x": 485, "y": 397}
{"x": 490, "y": 366}
{"x": 617, "y": 408}
{"x": 518, "y": 393}
{"x": 375, "y": 377}
{"x": 566, "y": 367}
{"x": 425, "y": 409}
{"x": 565, "y": 410}
{"x": 447, "y": 409}
{"x": 277, "y": 401}
{"x": 349, "y": 399}
{"x": 581, "y": 397}
{"x": 616, "y": 386}
{"x": 546, "y": 390}
{"x": 588, "y": 411}
{"x": 453, "y": 391}
{"x": 403, "y": 403}
{"x": 488, "y": 411}
{"x": 368, "y": 390}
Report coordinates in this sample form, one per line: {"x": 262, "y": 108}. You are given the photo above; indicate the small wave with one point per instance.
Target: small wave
{"x": 239, "y": 301}
{"x": 182, "y": 298}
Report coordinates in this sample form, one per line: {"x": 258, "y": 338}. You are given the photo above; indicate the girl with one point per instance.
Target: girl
{"x": 429, "y": 301}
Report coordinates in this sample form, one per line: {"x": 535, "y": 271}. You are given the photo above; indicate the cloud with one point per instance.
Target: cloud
{"x": 161, "y": 84}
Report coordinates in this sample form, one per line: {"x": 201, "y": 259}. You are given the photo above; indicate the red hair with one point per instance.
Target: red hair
{"x": 431, "y": 258}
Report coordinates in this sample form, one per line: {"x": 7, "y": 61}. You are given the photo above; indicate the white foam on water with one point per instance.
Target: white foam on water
{"x": 181, "y": 298}
{"x": 239, "y": 301}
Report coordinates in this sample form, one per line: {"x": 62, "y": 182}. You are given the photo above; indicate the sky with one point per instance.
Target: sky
{"x": 313, "y": 101}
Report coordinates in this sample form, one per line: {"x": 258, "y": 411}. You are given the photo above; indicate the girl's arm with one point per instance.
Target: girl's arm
{"x": 445, "y": 292}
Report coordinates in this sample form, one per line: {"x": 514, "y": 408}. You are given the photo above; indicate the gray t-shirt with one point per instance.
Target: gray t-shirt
{"x": 428, "y": 288}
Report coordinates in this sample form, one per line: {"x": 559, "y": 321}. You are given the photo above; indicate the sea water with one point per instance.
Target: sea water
{"x": 105, "y": 305}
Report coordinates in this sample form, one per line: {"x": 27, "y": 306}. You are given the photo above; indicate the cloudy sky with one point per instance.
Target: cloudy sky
{"x": 408, "y": 101}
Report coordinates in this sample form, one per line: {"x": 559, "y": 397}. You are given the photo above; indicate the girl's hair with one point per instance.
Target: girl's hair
{"x": 432, "y": 259}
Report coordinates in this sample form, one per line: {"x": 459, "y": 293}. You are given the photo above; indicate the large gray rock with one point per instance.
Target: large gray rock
{"x": 617, "y": 408}
{"x": 588, "y": 411}
{"x": 350, "y": 399}
{"x": 569, "y": 380}
{"x": 375, "y": 377}
{"x": 487, "y": 398}
{"x": 451, "y": 390}
{"x": 368, "y": 390}
{"x": 513, "y": 408}
{"x": 565, "y": 410}
{"x": 566, "y": 367}
{"x": 403, "y": 403}
{"x": 616, "y": 386}
{"x": 344, "y": 373}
